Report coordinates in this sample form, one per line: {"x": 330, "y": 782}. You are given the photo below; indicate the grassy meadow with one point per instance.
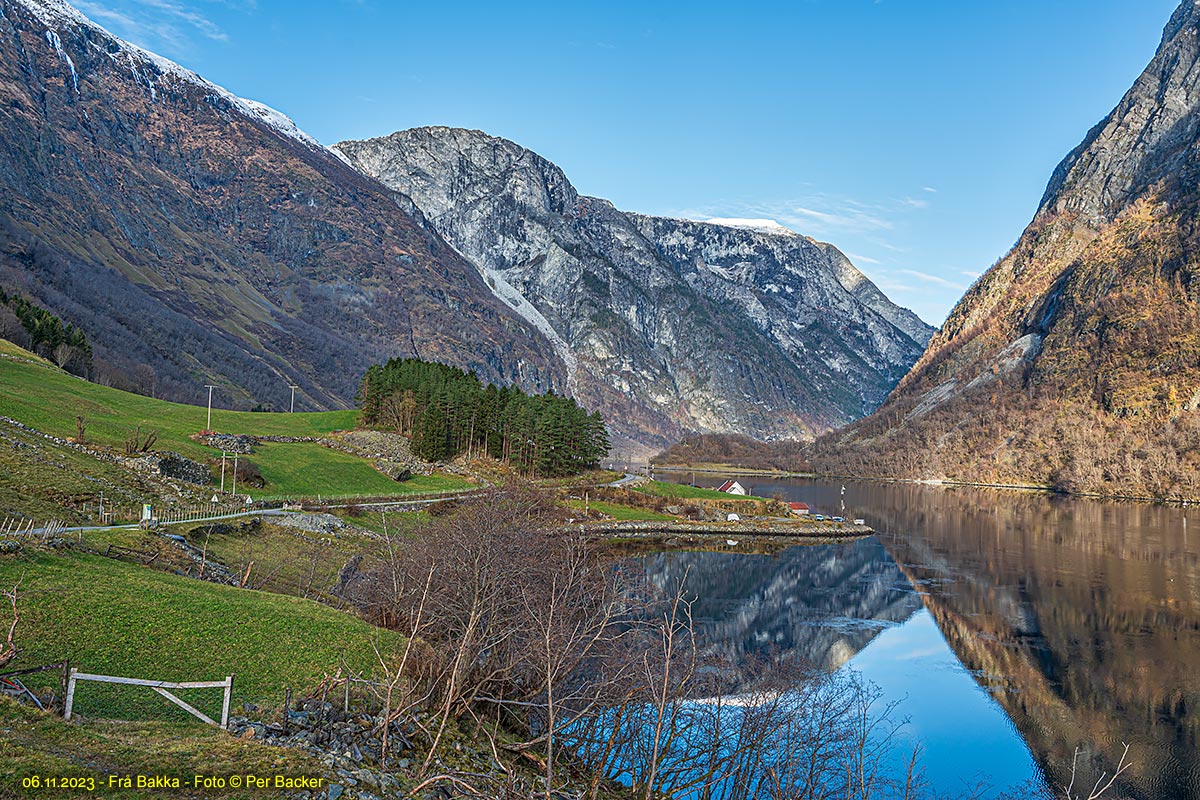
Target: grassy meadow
{"x": 38, "y": 394}
{"x": 115, "y": 618}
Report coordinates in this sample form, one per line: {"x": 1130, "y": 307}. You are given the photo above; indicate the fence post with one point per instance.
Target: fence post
{"x": 70, "y": 695}
{"x": 225, "y": 705}
{"x": 66, "y": 677}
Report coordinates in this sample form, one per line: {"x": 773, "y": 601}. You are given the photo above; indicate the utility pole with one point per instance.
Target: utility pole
{"x": 235, "y": 455}
{"x": 210, "y": 388}
{"x": 101, "y": 520}
{"x": 293, "y": 387}
{"x": 222, "y": 472}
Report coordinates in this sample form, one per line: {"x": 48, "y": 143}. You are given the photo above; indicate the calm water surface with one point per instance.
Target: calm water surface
{"x": 1013, "y": 628}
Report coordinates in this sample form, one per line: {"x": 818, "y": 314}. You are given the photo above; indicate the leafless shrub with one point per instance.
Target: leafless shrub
{"x": 1102, "y": 784}
{"x": 522, "y": 624}
{"x": 138, "y": 442}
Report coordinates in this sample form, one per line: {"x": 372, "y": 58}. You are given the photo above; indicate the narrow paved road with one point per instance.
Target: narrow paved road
{"x": 259, "y": 512}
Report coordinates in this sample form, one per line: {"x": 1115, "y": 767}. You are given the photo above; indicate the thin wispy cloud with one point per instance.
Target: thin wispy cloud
{"x": 861, "y": 259}
{"x": 854, "y": 220}
{"x": 160, "y": 24}
{"x": 891, "y": 287}
{"x": 934, "y": 279}
{"x": 818, "y": 215}
{"x": 874, "y": 236}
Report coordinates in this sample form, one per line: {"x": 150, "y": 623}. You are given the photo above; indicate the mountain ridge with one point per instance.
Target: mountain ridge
{"x": 203, "y": 238}
{"x": 1074, "y": 361}
{"x": 630, "y": 296}
{"x": 200, "y": 237}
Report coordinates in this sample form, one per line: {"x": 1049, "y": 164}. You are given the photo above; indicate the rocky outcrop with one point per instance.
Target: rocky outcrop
{"x": 1075, "y": 360}
{"x": 173, "y": 465}
{"x": 667, "y": 326}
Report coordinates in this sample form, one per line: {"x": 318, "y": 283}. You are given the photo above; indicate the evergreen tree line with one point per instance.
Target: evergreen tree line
{"x": 448, "y": 411}
{"x": 36, "y": 329}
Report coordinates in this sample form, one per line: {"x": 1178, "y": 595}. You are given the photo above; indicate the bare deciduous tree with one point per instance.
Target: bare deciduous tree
{"x": 9, "y": 650}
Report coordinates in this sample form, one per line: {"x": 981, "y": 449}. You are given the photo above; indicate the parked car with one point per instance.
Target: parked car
{"x": 819, "y": 517}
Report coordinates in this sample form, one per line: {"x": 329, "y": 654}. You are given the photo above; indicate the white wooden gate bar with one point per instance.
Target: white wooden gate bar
{"x": 160, "y": 687}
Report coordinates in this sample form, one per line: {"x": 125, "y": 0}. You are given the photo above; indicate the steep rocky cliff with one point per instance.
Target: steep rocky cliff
{"x": 197, "y": 237}
{"x": 1075, "y": 360}
{"x": 666, "y": 325}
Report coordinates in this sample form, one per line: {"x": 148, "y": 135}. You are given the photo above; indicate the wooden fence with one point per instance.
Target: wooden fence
{"x": 161, "y": 687}
{"x": 12, "y": 528}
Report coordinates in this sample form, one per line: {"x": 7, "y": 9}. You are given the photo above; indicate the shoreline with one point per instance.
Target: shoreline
{"x": 749, "y": 536}
{"x": 711, "y": 469}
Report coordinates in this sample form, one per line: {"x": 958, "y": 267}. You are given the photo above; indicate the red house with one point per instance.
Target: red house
{"x": 799, "y": 508}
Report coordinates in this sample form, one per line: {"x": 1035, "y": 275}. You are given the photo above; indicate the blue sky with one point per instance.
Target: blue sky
{"x": 916, "y": 135}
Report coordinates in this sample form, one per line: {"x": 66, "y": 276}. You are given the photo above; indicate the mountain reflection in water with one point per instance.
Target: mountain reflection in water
{"x": 825, "y": 603}
{"x": 1080, "y": 618}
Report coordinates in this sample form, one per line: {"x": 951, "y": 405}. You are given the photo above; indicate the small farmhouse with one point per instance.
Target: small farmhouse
{"x": 731, "y": 487}
{"x": 798, "y": 509}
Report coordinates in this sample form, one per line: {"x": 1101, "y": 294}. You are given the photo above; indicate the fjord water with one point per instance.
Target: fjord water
{"x": 1011, "y": 627}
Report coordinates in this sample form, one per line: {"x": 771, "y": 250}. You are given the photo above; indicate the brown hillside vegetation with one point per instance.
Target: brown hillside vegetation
{"x": 733, "y": 449}
{"x": 1075, "y": 361}
{"x": 1109, "y": 403}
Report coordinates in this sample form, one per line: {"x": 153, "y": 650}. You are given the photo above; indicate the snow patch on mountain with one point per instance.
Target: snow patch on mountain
{"x": 517, "y": 301}
{"x": 54, "y": 13}
{"x": 762, "y": 225}
{"x": 280, "y": 122}
{"x": 56, "y": 43}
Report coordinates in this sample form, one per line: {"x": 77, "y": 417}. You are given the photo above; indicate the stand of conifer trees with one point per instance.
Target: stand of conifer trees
{"x": 447, "y": 411}
{"x": 47, "y": 335}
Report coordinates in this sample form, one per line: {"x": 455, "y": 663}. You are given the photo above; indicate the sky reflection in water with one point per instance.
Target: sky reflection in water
{"x": 964, "y": 735}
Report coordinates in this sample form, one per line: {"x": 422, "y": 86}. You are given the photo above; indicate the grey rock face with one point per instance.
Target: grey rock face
{"x": 667, "y": 326}
{"x": 1149, "y": 135}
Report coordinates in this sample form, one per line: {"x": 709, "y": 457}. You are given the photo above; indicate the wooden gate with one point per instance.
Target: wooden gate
{"x": 161, "y": 687}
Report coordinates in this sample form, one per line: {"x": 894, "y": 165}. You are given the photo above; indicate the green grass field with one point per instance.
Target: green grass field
{"x": 44, "y": 481}
{"x": 42, "y": 745}
{"x": 49, "y": 399}
{"x": 114, "y": 618}
{"x": 305, "y": 470}
{"x": 680, "y": 490}
{"x": 40, "y": 395}
{"x": 623, "y": 513}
